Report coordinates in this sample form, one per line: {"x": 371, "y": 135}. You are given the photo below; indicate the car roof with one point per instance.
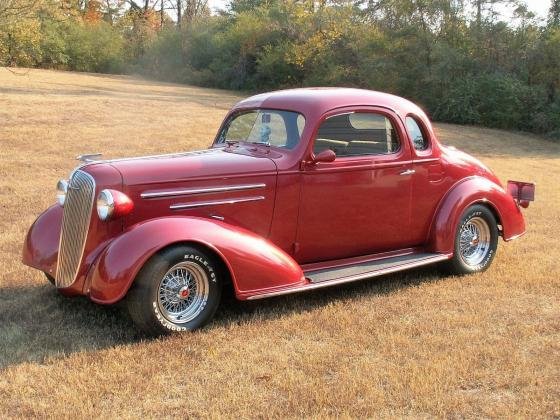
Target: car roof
{"x": 317, "y": 101}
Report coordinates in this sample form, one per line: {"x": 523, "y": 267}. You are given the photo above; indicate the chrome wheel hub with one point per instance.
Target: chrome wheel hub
{"x": 474, "y": 241}
{"x": 183, "y": 292}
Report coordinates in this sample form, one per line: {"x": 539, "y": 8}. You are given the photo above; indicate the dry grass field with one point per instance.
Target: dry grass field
{"x": 418, "y": 344}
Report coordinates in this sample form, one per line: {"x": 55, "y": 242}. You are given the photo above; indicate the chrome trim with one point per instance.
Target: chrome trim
{"x": 166, "y": 155}
{"x": 183, "y": 292}
{"x": 389, "y": 270}
{"x": 87, "y": 158}
{"x": 181, "y": 206}
{"x": 105, "y": 195}
{"x": 61, "y": 191}
{"x": 426, "y": 160}
{"x": 207, "y": 190}
{"x": 514, "y": 237}
{"x": 76, "y": 218}
{"x": 408, "y": 172}
{"x": 474, "y": 241}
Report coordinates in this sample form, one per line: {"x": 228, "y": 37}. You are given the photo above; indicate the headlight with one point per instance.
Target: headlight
{"x": 105, "y": 205}
{"x": 61, "y": 189}
{"x": 112, "y": 204}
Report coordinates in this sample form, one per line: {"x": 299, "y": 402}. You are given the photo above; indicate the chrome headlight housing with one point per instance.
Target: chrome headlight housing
{"x": 61, "y": 190}
{"x": 112, "y": 204}
{"x": 105, "y": 205}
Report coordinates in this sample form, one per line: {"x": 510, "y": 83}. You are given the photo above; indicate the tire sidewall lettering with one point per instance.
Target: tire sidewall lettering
{"x": 164, "y": 322}
{"x": 201, "y": 260}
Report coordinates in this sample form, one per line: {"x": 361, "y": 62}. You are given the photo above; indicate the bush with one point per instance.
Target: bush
{"x": 95, "y": 47}
{"x": 163, "y": 58}
{"x": 53, "y": 45}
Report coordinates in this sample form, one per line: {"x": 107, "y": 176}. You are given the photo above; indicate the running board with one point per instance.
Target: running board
{"x": 372, "y": 268}
{"x": 345, "y": 274}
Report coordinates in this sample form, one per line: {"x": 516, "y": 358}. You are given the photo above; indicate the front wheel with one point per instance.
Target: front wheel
{"x": 178, "y": 289}
{"x": 476, "y": 241}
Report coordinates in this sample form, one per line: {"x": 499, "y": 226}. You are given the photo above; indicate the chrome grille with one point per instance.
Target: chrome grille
{"x": 75, "y": 224}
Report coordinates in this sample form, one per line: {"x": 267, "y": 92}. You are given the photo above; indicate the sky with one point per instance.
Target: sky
{"x": 539, "y": 7}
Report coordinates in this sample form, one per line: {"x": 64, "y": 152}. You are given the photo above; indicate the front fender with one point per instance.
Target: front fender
{"x": 40, "y": 249}
{"x": 471, "y": 191}
{"x": 254, "y": 263}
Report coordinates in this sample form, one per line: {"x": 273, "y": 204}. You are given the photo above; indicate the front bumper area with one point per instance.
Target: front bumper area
{"x": 40, "y": 249}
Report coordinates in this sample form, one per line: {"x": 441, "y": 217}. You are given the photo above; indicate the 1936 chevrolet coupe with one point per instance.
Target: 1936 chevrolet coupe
{"x": 301, "y": 189}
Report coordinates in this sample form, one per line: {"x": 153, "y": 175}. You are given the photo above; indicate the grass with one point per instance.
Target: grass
{"x": 417, "y": 344}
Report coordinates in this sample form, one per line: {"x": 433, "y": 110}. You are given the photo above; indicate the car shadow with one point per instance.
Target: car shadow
{"x": 237, "y": 312}
{"x": 37, "y": 324}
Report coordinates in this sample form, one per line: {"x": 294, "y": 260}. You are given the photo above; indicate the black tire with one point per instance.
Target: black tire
{"x": 50, "y": 278}
{"x": 476, "y": 255}
{"x": 166, "y": 282}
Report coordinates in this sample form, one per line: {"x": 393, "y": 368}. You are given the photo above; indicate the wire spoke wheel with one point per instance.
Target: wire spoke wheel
{"x": 474, "y": 241}
{"x": 183, "y": 292}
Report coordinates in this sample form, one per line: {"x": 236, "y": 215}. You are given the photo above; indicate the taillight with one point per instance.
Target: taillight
{"x": 522, "y": 192}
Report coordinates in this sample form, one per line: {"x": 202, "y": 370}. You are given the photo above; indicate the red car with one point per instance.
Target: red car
{"x": 301, "y": 189}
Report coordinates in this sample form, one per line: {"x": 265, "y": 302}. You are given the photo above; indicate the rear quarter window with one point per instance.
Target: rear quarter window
{"x": 357, "y": 134}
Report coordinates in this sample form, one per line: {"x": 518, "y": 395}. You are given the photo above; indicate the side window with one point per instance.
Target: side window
{"x": 415, "y": 133}
{"x": 356, "y": 134}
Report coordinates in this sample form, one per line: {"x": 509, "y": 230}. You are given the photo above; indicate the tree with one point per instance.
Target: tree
{"x": 12, "y": 10}
{"x": 554, "y": 14}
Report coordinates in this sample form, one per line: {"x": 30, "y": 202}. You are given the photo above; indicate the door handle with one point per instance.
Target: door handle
{"x": 408, "y": 172}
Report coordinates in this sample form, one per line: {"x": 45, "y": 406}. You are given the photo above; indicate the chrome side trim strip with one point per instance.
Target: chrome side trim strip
{"x": 425, "y": 160}
{"x": 192, "y": 191}
{"x": 181, "y": 206}
{"x": 514, "y": 237}
{"x": 389, "y": 270}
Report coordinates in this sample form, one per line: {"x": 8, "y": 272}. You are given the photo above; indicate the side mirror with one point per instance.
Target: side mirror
{"x": 326, "y": 155}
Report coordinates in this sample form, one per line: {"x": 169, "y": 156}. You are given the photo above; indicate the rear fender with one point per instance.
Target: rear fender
{"x": 474, "y": 190}
{"x": 254, "y": 263}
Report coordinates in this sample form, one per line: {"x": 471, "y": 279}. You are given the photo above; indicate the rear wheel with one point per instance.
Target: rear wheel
{"x": 177, "y": 290}
{"x": 476, "y": 241}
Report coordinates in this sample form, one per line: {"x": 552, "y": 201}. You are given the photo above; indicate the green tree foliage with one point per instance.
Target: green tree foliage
{"x": 94, "y": 47}
{"x": 554, "y": 14}
{"x": 458, "y": 58}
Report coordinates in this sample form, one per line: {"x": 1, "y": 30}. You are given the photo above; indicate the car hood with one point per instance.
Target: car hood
{"x": 204, "y": 164}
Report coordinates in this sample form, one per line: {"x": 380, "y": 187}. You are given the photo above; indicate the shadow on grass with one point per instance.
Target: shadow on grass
{"x": 233, "y": 311}
{"x": 38, "y": 324}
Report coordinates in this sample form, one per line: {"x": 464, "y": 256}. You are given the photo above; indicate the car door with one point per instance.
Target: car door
{"x": 429, "y": 183}
{"x": 359, "y": 203}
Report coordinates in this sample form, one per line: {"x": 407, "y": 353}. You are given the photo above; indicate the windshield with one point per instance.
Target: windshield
{"x": 266, "y": 126}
